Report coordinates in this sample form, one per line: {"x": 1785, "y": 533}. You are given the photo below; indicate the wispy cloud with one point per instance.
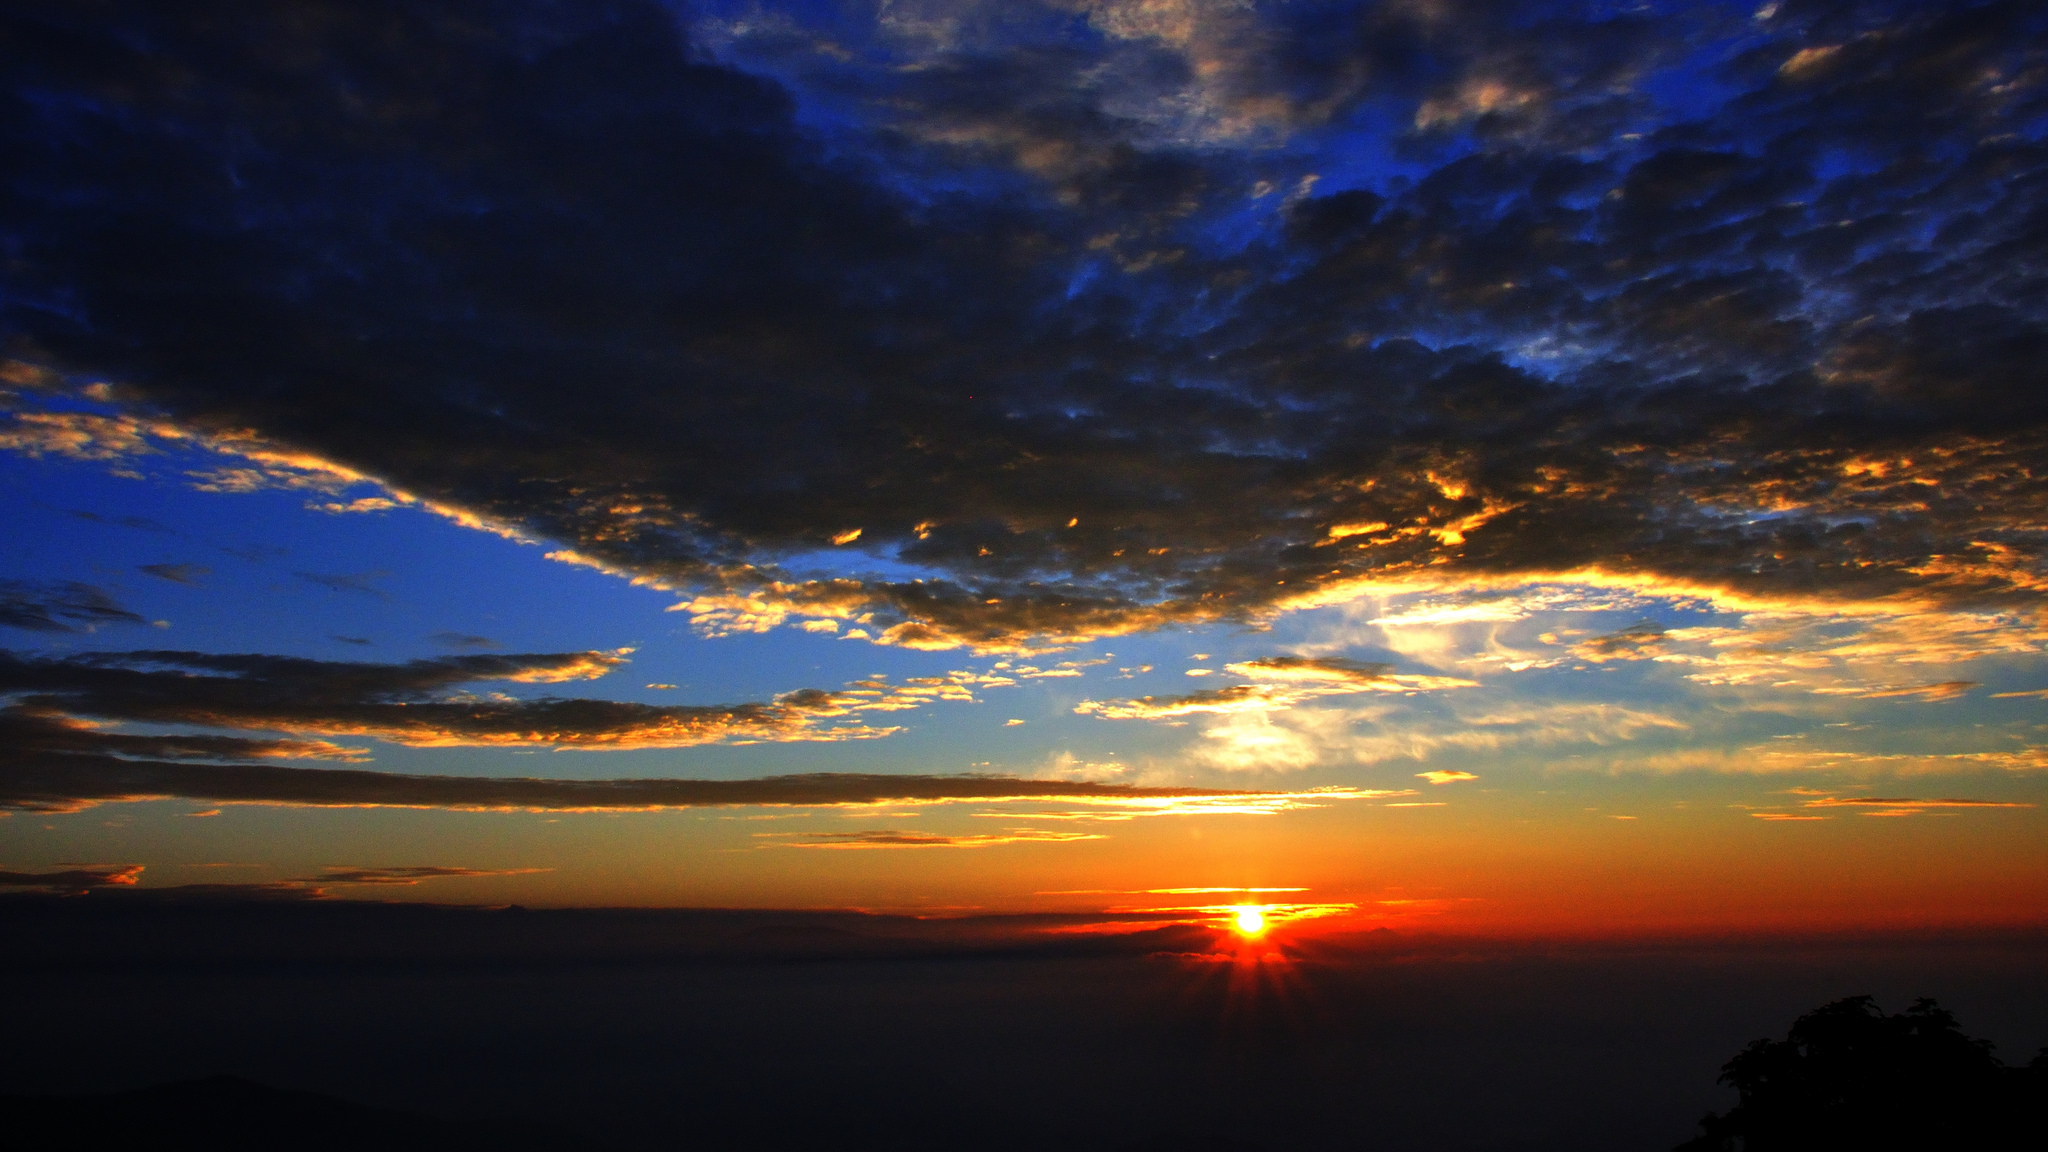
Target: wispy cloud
{"x": 417, "y": 703}
{"x": 59, "y": 606}
{"x": 1282, "y": 682}
{"x": 189, "y": 574}
{"x": 77, "y": 879}
{"x": 408, "y": 875}
{"x": 52, "y": 763}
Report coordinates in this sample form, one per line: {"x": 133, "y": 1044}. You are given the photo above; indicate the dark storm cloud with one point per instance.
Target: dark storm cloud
{"x": 1722, "y": 301}
{"x": 413, "y": 703}
{"x": 59, "y": 606}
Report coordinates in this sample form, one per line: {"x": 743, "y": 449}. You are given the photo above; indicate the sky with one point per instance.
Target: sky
{"x": 1442, "y": 465}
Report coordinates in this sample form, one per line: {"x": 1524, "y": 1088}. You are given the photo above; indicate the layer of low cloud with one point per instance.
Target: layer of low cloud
{"x": 1175, "y": 366}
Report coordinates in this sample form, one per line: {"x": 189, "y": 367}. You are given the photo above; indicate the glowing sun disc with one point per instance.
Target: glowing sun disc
{"x": 1250, "y": 920}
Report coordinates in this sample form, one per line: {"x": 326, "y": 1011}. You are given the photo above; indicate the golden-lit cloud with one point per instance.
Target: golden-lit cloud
{"x": 1446, "y": 776}
{"x": 892, "y": 839}
{"x": 1304, "y": 736}
{"x": 76, "y": 879}
{"x": 1906, "y": 802}
{"x": 1283, "y": 681}
{"x": 1262, "y": 803}
{"x": 419, "y": 703}
{"x": 1942, "y": 690}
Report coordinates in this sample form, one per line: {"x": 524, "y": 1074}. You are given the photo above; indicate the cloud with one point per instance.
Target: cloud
{"x": 1287, "y": 680}
{"x": 416, "y": 703}
{"x": 28, "y": 729}
{"x": 1446, "y": 776}
{"x": 74, "y": 880}
{"x": 1944, "y": 690}
{"x": 40, "y": 781}
{"x": 462, "y": 640}
{"x": 1314, "y": 671}
{"x": 139, "y": 523}
{"x": 1635, "y": 642}
{"x": 177, "y": 573}
{"x": 1080, "y": 327}
{"x": 54, "y": 763}
{"x": 1791, "y": 756}
{"x": 59, "y": 606}
{"x": 407, "y": 876}
{"x": 859, "y": 840}
{"x": 1306, "y": 736}
{"x": 1867, "y": 651}
{"x": 358, "y": 582}
{"x": 1905, "y": 803}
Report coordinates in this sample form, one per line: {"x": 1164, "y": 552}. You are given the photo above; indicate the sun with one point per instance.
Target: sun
{"x": 1249, "y": 918}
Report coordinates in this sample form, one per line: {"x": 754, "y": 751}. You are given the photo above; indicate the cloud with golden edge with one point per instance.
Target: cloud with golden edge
{"x": 1118, "y": 810}
{"x": 420, "y": 703}
{"x": 893, "y": 839}
{"x": 1281, "y": 682}
{"x": 1906, "y": 802}
{"x": 76, "y": 879}
{"x": 52, "y": 764}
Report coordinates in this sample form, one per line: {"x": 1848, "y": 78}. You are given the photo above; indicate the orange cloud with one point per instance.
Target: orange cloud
{"x": 892, "y": 839}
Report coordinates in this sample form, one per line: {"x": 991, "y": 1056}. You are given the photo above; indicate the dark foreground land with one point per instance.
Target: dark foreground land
{"x": 416, "y": 1026}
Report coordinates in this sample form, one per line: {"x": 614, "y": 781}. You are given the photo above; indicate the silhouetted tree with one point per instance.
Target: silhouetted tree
{"x": 1848, "y": 1076}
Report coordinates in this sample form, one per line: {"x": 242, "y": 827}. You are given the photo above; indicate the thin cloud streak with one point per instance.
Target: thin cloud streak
{"x": 62, "y": 783}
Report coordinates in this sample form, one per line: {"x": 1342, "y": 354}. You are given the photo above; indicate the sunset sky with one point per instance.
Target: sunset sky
{"x": 1480, "y": 466}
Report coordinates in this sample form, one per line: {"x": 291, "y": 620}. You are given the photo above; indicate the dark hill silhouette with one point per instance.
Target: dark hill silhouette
{"x": 229, "y": 1114}
{"x": 1848, "y": 1076}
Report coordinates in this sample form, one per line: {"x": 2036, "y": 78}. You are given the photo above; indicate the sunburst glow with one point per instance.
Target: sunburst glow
{"x": 1250, "y": 919}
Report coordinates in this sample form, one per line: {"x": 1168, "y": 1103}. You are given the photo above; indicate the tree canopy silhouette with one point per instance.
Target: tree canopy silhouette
{"x": 1849, "y": 1076}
